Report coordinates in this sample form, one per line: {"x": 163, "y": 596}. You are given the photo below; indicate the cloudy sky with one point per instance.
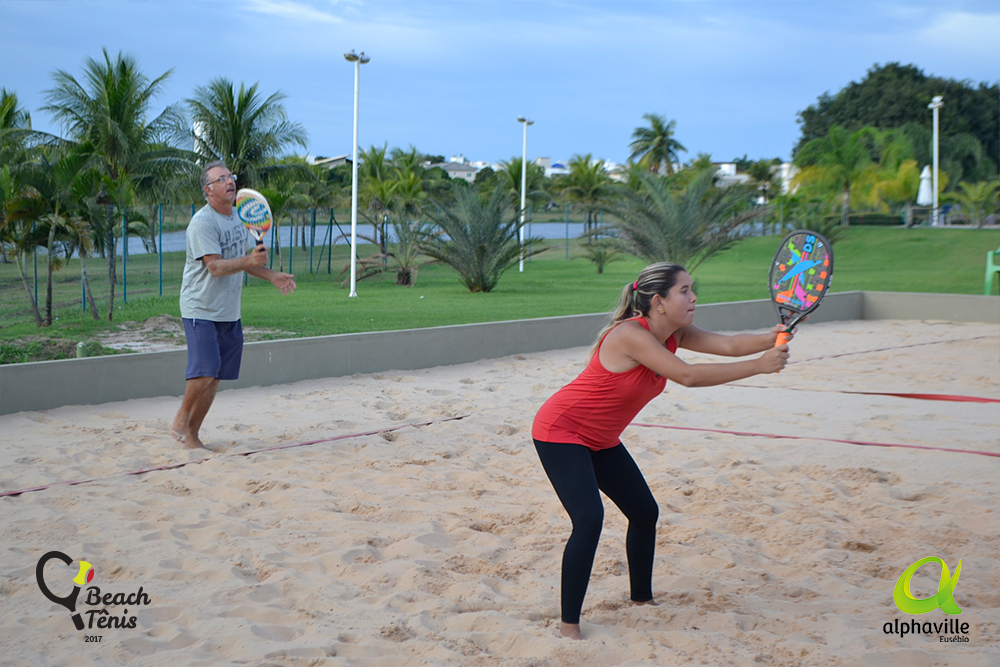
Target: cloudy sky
{"x": 452, "y": 77}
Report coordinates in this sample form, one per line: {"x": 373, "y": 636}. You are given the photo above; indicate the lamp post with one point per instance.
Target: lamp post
{"x": 358, "y": 60}
{"x": 524, "y": 181}
{"x": 935, "y": 104}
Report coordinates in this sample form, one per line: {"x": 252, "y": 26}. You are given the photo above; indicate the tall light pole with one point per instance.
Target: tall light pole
{"x": 358, "y": 60}
{"x": 524, "y": 182}
{"x": 935, "y": 104}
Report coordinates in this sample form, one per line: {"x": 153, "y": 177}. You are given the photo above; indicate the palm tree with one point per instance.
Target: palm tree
{"x": 536, "y": 184}
{"x": 15, "y": 127}
{"x": 283, "y": 199}
{"x": 18, "y": 231}
{"x": 659, "y": 224}
{"x": 587, "y": 185}
{"x": 110, "y": 112}
{"x": 481, "y": 237}
{"x": 977, "y": 200}
{"x": 655, "y": 147}
{"x": 58, "y": 182}
{"x": 15, "y": 141}
{"x": 837, "y": 160}
{"x": 764, "y": 179}
{"x": 241, "y": 128}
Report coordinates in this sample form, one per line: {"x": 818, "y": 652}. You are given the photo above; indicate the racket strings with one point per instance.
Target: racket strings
{"x": 253, "y": 212}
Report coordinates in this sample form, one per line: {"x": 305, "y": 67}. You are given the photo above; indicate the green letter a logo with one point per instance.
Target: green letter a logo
{"x": 944, "y": 598}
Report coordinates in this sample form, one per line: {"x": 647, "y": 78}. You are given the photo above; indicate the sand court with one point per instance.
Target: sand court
{"x": 440, "y": 544}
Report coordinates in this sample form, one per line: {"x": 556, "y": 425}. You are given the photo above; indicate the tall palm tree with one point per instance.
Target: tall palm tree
{"x": 15, "y": 127}
{"x": 655, "y": 147}
{"x": 17, "y": 229}
{"x": 15, "y": 143}
{"x": 242, "y": 128}
{"x": 587, "y": 185}
{"x": 110, "y": 110}
{"x": 58, "y": 181}
{"x": 837, "y": 160}
{"x": 536, "y": 184}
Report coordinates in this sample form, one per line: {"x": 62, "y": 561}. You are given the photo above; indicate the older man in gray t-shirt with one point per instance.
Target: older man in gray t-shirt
{"x": 217, "y": 244}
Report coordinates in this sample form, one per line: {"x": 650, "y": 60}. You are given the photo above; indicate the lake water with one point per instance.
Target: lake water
{"x": 175, "y": 241}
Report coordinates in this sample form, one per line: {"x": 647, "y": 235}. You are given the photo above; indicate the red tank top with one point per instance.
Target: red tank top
{"x": 595, "y": 408}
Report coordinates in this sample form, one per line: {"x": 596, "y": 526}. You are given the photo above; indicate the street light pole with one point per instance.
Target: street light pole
{"x": 935, "y": 104}
{"x": 524, "y": 181}
{"x": 358, "y": 60}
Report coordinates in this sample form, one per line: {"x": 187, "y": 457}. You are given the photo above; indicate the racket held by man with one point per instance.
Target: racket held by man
{"x": 254, "y": 212}
{"x": 800, "y": 278}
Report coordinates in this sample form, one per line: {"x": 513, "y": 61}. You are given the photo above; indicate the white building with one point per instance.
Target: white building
{"x": 458, "y": 167}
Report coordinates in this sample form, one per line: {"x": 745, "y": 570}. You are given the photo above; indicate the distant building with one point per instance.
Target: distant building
{"x": 551, "y": 168}
{"x": 458, "y": 167}
{"x": 727, "y": 174}
{"x": 786, "y": 172}
{"x": 331, "y": 162}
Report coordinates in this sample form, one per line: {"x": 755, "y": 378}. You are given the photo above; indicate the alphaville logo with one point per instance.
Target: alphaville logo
{"x": 908, "y": 604}
{"x": 102, "y": 618}
{"x": 944, "y": 600}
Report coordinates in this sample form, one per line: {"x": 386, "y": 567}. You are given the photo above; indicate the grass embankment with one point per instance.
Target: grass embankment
{"x": 885, "y": 259}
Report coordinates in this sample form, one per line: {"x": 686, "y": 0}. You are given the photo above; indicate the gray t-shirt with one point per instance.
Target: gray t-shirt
{"x": 204, "y": 296}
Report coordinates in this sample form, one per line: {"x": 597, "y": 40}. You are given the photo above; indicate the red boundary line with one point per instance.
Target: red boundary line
{"x": 923, "y": 397}
{"x": 172, "y": 466}
{"x": 802, "y": 437}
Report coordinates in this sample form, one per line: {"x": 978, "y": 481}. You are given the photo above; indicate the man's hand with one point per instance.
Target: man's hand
{"x": 258, "y": 256}
{"x": 285, "y": 282}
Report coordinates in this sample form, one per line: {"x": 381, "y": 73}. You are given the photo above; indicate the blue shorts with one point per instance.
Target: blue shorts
{"x": 214, "y": 349}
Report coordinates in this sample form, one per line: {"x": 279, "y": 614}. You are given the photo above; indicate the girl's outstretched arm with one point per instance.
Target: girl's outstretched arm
{"x": 639, "y": 345}
{"x": 725, "y": 345}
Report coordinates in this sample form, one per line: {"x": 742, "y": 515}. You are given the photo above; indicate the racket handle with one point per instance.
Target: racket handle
{"x": 782, "y": 338}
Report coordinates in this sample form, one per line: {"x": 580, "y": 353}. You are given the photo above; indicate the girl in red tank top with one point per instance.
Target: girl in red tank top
{"x": 576, "y": 432}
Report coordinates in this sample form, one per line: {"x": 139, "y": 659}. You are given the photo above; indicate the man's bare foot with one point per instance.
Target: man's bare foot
{"x": 571, "y": 630}
{"x": 651, "y": 602}
{"x": 176, "y": 435}
{"x": 193, "y": 442}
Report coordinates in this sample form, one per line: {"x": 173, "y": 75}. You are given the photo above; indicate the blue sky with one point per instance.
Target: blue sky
{"x": 452, "y": 77}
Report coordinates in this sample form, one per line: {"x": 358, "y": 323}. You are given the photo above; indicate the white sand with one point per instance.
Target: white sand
{"x": 441, "y": 545}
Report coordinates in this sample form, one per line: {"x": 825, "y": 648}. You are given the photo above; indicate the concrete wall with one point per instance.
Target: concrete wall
{"x": 50, "y": 384}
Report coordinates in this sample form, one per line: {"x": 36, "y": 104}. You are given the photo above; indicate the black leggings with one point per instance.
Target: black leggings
{"x": 578, "y": 474}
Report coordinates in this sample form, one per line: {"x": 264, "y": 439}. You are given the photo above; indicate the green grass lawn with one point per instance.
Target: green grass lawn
{"x": 885, "y": 259}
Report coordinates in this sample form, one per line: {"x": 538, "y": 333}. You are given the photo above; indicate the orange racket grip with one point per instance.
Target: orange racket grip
{"x": 782, "y": 338}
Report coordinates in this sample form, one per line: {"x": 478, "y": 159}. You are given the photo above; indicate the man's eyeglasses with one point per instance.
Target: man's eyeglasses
{"x": 222, "y": 179}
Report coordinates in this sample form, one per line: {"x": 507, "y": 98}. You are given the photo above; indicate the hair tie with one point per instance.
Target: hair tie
{"x": 635, "y": 286}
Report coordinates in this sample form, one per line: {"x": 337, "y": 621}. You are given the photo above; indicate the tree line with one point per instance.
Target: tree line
{"x": 74, "y": 194}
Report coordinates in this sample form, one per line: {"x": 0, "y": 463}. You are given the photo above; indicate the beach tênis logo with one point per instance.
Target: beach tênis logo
{"x": 101, "y": 618}
{"x": 944, "y": 598}
{"x": 85, "y": 576}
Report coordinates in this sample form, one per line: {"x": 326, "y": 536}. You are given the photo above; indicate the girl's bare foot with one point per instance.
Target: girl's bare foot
{"x": 651, "y": 602}
{"x": 571, "y": 630}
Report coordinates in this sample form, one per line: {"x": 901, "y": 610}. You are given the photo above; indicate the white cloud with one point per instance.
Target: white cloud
{"x": 298, "y": 11}
{"x": 977, "y": 35}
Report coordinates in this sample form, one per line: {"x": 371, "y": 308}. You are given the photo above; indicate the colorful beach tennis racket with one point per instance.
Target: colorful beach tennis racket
{"x": 800, "y": 278}
{"x": 253, "y": 210}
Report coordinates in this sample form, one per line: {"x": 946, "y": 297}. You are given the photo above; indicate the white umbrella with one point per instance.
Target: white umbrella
{"x": 925, "y": 196}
